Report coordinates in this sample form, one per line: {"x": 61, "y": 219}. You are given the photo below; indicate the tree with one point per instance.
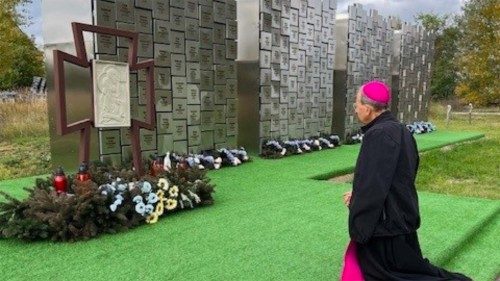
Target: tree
{"x": 444, "y": 76}
{"x": 20, "y": 60}
{"x": 478, "y": 57}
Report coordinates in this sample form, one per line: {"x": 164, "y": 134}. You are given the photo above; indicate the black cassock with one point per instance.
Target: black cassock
{"x": 383, "y": 213}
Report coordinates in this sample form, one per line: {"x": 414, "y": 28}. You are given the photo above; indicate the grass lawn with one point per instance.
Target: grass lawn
{"x": 272, "y": 220}
{"x": 470, "y": 169}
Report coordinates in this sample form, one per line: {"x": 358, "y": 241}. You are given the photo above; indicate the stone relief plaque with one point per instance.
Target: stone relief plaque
{"x": 111, "y": 94}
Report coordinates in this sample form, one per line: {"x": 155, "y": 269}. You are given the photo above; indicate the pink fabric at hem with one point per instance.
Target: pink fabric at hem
{"x": 351, "y": 270}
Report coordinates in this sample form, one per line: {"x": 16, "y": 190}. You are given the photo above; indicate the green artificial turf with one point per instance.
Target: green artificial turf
{"x": 271, "y": 221}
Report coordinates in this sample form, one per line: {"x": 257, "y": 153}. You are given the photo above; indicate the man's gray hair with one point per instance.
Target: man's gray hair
{"x": 378, "y": 106}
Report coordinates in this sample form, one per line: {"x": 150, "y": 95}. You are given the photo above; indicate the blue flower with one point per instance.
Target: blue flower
{"x": 137, "y": 199}
{"x": 146, "y": 187}
{"x": 140, "y": 208}
{"x": 149, "y": 209}
{"x": 152, "y": 198}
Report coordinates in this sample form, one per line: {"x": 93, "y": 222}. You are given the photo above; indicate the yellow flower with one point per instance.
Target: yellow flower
{"x": 159, "y": 208}
{"x": 171, "y": 204}
{"x": 163, "y": 184}
{"x": 153, "y": 218}
{"x": 174, "y": 191}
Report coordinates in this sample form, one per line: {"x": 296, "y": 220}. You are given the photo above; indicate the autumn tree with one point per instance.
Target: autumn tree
{"x": 478, "y": 57}
{"x": 20, "y": 60}
{"x": 444, "y": 76}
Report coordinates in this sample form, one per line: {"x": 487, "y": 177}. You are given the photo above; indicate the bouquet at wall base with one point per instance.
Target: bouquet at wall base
{"x": 272, "y": 149}
{"x": 111, "y": 200}
{"x": 421, "y": 127}
{"x": 354, "y": 138}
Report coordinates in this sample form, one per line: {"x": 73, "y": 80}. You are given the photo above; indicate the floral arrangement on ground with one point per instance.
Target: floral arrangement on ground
{"x": 107, "y": 200}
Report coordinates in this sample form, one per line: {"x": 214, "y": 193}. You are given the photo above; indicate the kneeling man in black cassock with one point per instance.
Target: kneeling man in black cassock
{"x": 383, "y": 205}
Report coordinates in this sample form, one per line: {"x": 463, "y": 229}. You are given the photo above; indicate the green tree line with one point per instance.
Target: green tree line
{"x": 20, "y": 60}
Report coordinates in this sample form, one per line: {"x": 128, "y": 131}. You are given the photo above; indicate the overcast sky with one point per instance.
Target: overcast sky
{"x": 405, "y": 9}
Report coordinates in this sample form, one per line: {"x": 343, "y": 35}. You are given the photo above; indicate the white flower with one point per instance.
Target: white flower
{"x": 131, "y": 186}
{"x": 163, "y": 184}
{"x": 185, "y": 198}
{"x": 121, "y": 187}
{"x": 195, "y": 197}
{"x": 140, "y": 208}
{"x": 146, "y": 187}
{"x": 119, "y": 197}
{"x": 113, "y": 207}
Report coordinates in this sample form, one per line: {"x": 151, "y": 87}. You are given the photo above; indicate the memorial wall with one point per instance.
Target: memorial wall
{"x": 414, "y": 51}
{"x": 294, "y": 61}
{"x": 364, "y": 52}
{"x": 193, "y": 44}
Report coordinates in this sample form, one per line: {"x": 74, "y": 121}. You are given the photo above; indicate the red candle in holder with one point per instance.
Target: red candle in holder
{"x": 83, "y": 172}
{"x": 60, "y": 181}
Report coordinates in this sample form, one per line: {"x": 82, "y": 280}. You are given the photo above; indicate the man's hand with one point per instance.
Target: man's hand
{"x": 347, "y": 198}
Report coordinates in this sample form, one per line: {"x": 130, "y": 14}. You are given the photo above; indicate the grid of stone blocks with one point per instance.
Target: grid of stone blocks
{"x": 417, "y": 49}
{"x": 369, "y": 54}
{"x": 193, "y": 43}
{"x": 297, "y": 49}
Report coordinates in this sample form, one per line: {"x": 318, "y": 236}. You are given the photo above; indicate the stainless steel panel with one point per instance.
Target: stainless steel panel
{"x": 232, "y": 29}
{"x": 179, "y": 87}
{"x": 207, "y": 121}
{"x": 193, "y": 72}
{"x": 192, "y": 29}
{"x": 206, "y": 16}
{"x": 220, "y": 114}
{"x": 219, "y": 54}
{"x": 125, "y": 11}
{"x": 162, "y": 78}
{"x": 161, "y": 31}
{"x": 165, "y": 123}
{"x": 165, "y": 144}
{"x": 232, "y": 88}
{"x": 148, "y": 139}
{"x": 192, "y": 51}
{"x": 220, "y": 94}
{"x": 207, "y": 81}
{"x": 220, "y": 74}
{"x": 219, "y": 12}
{"x": 207, "y": 139}
{"x": 231, "y": 49}
{"x": 194, "y": 114}
{"x": 180, "y": 129}
{"x": 161, "y": 10}
{"x": 219, "y": 33}
{"x": 206, "y": 38}
{"x": 143, "y": 21}
{"x": 179, "y": 109}
{"x": 105, "y": 13}
{"x": 194, "y": 135}
{"x": 145, "y": 48}
{"x": 109, "y": 141}
{"x": 162, "y": 55}
{"x": 177, "y": 42}
{"x": 163, "y": 100}
{"x": 207, "y": 101}
{"x": 178, "y": 3}
{"x": 177, "y": 19}
{"x": 178, "y": 65}
{"x": 231, "y": 9}
{"x": 180, "y": 147}
{"x": 191, "y": 10}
